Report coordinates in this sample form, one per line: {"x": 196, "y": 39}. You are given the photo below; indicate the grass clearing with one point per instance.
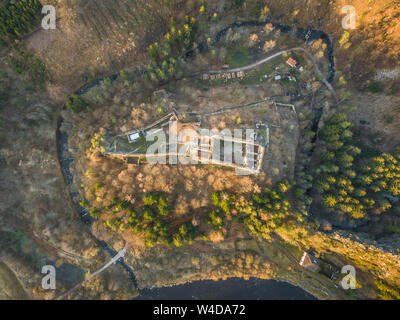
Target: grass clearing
{"x": 238, "y": 57}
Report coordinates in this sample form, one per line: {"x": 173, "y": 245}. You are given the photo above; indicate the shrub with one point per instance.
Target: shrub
{"x": 76, "y": 103}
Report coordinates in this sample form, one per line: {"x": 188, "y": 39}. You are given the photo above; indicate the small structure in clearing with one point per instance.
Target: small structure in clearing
{"x": 309, "y": 262}
{"x": 223, "y": 75}
{"x": 292, "y": 62}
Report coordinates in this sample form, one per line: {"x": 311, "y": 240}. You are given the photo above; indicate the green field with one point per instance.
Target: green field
{"x": 238, "y": 57}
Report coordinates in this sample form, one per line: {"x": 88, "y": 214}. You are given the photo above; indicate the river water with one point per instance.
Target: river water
{"x": 234, "y": 288}
{"x": 231, "y": 289}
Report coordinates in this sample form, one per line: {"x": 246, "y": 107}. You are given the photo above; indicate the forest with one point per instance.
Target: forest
{"x": 177, "y": 41}
{"x": 347, "y": 181}
{"x": 18, "y": 18}
{"x": 151, "y": 219}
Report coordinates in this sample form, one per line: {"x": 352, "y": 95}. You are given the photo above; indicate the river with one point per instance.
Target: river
{"x": 231, "y": 289}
